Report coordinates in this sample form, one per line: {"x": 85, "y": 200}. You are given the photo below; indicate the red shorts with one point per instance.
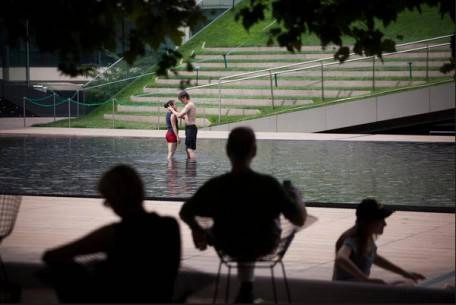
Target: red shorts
{"x": 171, "y": 137}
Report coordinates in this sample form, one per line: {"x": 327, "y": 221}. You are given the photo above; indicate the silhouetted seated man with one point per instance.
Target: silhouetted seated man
{"x": 245, "y": 207}
{"x": 142, "y": 251}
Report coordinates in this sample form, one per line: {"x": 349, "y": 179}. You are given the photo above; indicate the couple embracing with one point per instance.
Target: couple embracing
{"x": 189, "y": 115}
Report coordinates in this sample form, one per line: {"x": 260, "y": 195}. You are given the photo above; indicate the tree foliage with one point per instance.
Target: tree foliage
{"x": 72, "y": 28}
{"x": 331, "y": 20}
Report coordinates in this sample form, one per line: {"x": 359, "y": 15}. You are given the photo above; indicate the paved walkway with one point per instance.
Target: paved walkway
{"x": 206, "y": 134}
{"x": 15, "y": 123}
{"x": 423, "y": 242}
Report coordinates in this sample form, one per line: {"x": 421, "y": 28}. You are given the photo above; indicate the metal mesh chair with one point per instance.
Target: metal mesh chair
{"x": 9, "y": 207}
{"x": 267, "y": 261}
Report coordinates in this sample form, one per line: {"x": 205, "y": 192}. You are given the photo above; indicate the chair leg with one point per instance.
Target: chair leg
{"x": 3, "y": 274}
{"x": 286, "y": 282}
{"x": 274, "y": 289}
{"x": 227, "y": 291}
{"x": 217, "y": 280}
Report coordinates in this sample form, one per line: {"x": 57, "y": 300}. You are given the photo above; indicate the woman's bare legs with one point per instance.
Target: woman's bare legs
{"x": 171, "y": 150}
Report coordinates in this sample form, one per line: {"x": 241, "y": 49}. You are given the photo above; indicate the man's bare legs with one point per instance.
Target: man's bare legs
{"x": 246, "y": 277}
{"x": 171, "y": 150}
{"x": 191, "y": 154}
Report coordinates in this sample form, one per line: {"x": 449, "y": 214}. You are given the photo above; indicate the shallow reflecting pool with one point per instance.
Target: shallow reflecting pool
{"x": 326, "y": 171}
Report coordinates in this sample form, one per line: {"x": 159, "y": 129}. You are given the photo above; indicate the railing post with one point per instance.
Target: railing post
{"x": 410, "y": 70}
{"x": 23, "y": 108}
{"x": 322, "y": 82}
{"x": 272, "y": 90}
{"x": 69, "y": 112}
{"x": 54, "y": 104}
{"x": 220, "y": 101}
{"x": 373, "y": 73}
{"x": 427, "y": 62}
{"x": 275, "y": 79}
{"x": 224, "y": 60}
{"x": 158, "y": 110}
{"x": 77, "y": 100}
{"x": 113, "y": 113}
{"x": 158, "y": 120}
{"x": 197, "y": 70}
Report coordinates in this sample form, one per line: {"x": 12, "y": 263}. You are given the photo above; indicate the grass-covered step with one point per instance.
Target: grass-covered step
{"x": 201, "y": 110}
{"x": 153, "y": 119}
{"x": 301, "y": 83}
{"x": 240, "y": 101}
{"x": 261, "y": 92}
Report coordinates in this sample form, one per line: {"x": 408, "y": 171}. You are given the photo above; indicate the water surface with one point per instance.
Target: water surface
{"x": 325, "y": 171}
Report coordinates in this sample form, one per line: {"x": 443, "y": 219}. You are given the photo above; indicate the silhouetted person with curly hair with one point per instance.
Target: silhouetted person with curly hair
{"x": 142, "y": 251}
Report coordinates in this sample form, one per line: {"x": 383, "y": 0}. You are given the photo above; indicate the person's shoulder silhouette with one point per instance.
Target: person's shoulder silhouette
{"x": 142, "y": 250}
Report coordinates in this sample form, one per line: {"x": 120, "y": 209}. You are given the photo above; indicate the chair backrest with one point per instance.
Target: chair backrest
{"x": 9, "y": 207}
{"x": 286, "y": 237}
{"x": 288, "y": 231}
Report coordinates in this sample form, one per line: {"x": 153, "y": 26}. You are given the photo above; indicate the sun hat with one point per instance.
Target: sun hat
{"x": 370, "y": 208}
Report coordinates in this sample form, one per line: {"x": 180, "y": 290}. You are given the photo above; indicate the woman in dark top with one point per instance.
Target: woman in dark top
{"x": 172, "y": 133}
{"x": 142, "y": 251}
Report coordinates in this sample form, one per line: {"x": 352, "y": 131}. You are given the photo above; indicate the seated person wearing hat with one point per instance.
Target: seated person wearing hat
{"x": 356, "y": 250}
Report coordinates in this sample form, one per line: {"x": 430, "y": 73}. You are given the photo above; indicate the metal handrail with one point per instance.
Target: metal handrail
{"x": 101, "y": 73}
{"x": 328, "y": 58}
{"x": 424, "y": 40}
{"x": 117, "y": 81}
{"x": 307, "y": 68}
{"x": 224, "y": 80}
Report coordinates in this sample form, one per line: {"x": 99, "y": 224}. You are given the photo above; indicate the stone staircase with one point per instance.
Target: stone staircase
{"x": 276, "y": 90}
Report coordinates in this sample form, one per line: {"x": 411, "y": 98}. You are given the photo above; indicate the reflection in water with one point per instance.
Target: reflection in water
{"x": 171, "y": 176}
{"x": 191, "y": 183}
{"x": 325, "y": 171}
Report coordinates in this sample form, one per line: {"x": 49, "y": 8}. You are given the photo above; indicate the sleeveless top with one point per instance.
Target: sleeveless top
{"x": 169, "y": 126}
{"x": 362, "y": 261}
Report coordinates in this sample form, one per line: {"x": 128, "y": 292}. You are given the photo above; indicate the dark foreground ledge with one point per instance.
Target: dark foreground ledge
{"x": 197, "y": 287}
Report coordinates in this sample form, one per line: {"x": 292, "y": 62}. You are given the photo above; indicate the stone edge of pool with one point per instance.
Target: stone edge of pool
{"x": 206, "y": 134}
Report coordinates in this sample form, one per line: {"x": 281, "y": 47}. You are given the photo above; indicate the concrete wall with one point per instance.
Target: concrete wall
{"x": 42, "y": 74}
{"x": 352, "y": 113}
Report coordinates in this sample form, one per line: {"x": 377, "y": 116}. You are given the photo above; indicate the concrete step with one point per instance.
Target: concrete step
{"x": 289, "y": 56}
{"x": 316, "y": 73}
{"x": 359, "y": 64}
{"x": 263, "y": 49}
{"x": 301, "y": 83}
{"x": 200, "y": 59}
{"x": 259, "y": 92}
{"x": 203, "y": 122}
{"x": 229, "y": 101}
{"x": 200, "y": 110}
{"x": 330, "y": 49}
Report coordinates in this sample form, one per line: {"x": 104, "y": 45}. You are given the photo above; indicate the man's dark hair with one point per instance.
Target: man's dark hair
{"x": 241, "y": 143}
{"x": 182, "y": 94}
{"x": 122, "y": 183}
